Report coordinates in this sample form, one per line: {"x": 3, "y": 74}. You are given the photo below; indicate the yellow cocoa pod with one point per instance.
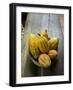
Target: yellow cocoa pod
{"x": 33, "y": 46}
{"x": 43, "y": 44}
{"x": 52, "y": 54}
{"x": 53, "y": 43}
{"x": 44, "y": 60}
{"x": 45, "y": 33}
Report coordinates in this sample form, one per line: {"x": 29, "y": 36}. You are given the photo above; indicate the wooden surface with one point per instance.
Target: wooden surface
{"x": 36, "y": 23}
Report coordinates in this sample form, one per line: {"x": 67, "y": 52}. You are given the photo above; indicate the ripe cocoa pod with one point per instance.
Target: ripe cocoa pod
{"x": 33, "y": 46}
{"x": 43, "y": 44}
{"x": 52, "y": 54}
{"x": 44, "y": 60}
{"x": 53, "y": 43}
{"x": 45, "y": 34}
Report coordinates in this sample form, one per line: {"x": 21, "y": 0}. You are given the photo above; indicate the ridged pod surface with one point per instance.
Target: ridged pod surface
{"x": 52, "y": 54}
{"x": 53, "y": 43}
{"x": 45, "y": 34}
{"x": 33, "y": 46}
{"x": 44, "y": 60}
{"x": 43, "y": 44}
